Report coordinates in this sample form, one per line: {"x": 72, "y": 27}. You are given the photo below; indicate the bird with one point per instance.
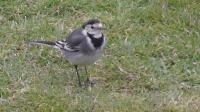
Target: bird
{"x": 82, "y": 47}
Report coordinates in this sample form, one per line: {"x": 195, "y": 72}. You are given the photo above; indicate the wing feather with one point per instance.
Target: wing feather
{"x": 72, "y": 42}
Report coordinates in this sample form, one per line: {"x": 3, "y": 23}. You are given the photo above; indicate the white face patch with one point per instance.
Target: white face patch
{"x": 98, "y": 25}
{"x": 95, "y": 30}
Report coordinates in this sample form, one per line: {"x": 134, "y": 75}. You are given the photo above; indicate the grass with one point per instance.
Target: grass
{"x": 151, "y": 62}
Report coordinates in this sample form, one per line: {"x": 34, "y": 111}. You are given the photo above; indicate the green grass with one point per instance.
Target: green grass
{"x": 151, "y": 62}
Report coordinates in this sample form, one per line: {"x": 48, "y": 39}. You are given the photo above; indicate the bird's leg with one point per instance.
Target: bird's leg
{"x": 86, "y": 71}
{"x": 87, "y": 79}
{"x": 79, "y": 80}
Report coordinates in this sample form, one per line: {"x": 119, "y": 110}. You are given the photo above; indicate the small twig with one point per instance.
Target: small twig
{"x": 94, "y": 102}
{"x": 122, "y": 70}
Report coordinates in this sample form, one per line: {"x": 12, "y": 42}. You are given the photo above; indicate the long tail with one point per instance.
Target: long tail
{"x": 63, "y": 45}
{"x": 49, "y": 43}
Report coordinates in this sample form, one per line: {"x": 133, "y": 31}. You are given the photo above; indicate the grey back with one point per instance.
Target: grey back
{"x": 76, "y": 37}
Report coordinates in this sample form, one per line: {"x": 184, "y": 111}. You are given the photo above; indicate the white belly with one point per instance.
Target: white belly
{"x": 81, "y": 59}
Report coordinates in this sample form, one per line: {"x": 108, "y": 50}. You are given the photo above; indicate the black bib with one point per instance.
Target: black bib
{"x": 97, "y": 42}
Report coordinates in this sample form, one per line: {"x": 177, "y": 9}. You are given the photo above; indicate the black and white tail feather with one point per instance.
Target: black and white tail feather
{"x": 62, "y": 45}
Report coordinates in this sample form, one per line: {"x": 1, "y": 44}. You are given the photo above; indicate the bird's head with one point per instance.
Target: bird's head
{"x": 93, "y": 26}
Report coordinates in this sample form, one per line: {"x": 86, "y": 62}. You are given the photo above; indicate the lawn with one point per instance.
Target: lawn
{"x": 151, "y": 62}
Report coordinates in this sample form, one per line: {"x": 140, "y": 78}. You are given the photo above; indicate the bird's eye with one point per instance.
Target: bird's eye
{"x": 92, "y": 27}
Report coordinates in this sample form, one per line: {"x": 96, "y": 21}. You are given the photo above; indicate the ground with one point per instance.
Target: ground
{"x": 151, "y": 62}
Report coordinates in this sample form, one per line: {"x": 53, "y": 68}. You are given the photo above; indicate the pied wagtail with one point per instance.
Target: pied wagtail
{"x": 83, "y": 46}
